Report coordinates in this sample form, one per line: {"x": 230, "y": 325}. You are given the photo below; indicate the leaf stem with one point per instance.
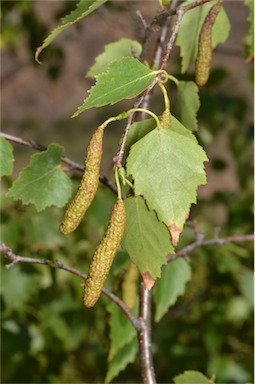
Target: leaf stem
{"x": 166, "y": 98}
{"x": 176, "y": 81}
{"x": 120, "y": 116}
{"x": 129, "y": 183}
{"x": 148, "y": 112}
{"x": 117, "y": 180}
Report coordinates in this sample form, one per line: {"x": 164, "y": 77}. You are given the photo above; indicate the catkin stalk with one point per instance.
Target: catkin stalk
{"x": 104, "y": 255}
{"x": 204, "y": 55}
{"x": 88, "y": 185}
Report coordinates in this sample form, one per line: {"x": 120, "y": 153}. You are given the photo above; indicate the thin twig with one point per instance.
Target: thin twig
{"x": 144, "y": 336}
{"x": 15, "y": 259}
{"x": 200, "y": 242}
{"x": 71, "y": 164}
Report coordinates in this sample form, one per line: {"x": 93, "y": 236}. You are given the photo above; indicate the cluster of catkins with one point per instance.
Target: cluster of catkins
{"x": 106, "y": 250}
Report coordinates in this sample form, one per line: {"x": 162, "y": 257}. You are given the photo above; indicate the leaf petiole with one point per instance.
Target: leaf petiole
{"x": 166, "y": 99}
{"x": 117, "y": 180}
{"x": 121, "y": 116}
{"x": 129, "y": 184}
{"x": 146, "y": 111}
{"x": 176, "y": 81}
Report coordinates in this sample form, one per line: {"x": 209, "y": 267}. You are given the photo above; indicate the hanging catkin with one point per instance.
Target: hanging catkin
{"x": 104, "y": 255}
{"x": 88, "y": 185}
{"x": 204, "y": 55}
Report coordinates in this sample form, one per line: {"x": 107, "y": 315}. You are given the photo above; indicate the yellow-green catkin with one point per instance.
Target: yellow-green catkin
{"x": 165, "y": 119}
{"x": 104, "y": 255}
{"x": 88, "y": 185}
{"x": 204, "y": 55}
{"x": 129, "y": 286}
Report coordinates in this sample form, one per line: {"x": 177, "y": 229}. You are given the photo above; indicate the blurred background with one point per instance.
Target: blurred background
{"x": 47, "y": 336}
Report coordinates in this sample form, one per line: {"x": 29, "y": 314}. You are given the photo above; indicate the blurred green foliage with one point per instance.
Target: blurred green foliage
{"x": 48, "y": 336}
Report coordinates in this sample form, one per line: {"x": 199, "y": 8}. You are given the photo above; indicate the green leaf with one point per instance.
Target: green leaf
{"x": 83, "y": 8}
{"x": 250, "y": 35}
{"x": 171, "y": 285}
{"x": 192, "y": 377}
{"x": 167, "y": 168}
{"x": 137, "y": 131}
{"x": 121, "y": 330}
{"x": 237, "y": 310}
{"x": 114, "y": 52}
{"x": 188, "y": 34}
{"x": 246, "y": 285}
{"x": 11, "y": 231}
{"x": 42, "y": 182}
{"x": 18, "y": 287}
{"x": 6, "y": 157}
{"x": 146, "y": 239}
{"x": 126, "y": 355}
{"x": 221, "y": 29}
{"x": 123, "y": 79}
{"x": 187, "y": 104}
{"x": 42, "y": 230}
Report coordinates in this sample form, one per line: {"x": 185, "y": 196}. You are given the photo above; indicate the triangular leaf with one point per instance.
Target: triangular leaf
{"x": 6, "y": 157}
{"x": 114, "y": 52}
{"x": 146, "y": 239}
{"x": 192, "y": 377}
{"x": 126, "y": 355}
{"x": 124, "y": 79}
{"x": 171, "y": 285}
{"x": 121, "y": 330}
{"x": 42, "y": 182}
{"x": 188, "y": 34}
{"x": 83, "y": 8}
{"x": 167, "y": 168}
{"x": 187, "y": 104}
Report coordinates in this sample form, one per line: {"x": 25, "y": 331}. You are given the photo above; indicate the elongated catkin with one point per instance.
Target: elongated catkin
{"x": 104, "y": 255}
{"x": 88, "y": 185}
{"x": 204, "y": 55}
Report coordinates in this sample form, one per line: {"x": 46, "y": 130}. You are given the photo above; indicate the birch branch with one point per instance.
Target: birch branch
{"x": 15, "y": 259}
